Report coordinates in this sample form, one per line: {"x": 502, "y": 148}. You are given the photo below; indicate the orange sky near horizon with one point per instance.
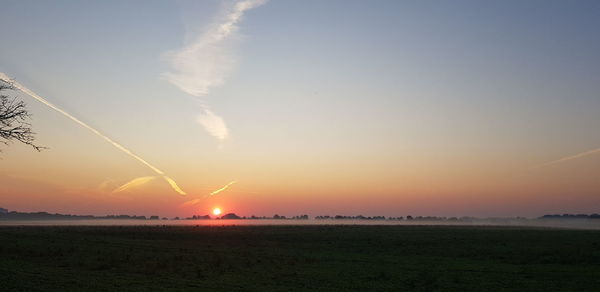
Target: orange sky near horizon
{"x": 85, "y": 184}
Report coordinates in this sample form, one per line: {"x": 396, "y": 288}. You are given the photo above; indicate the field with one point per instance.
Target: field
{"x": 282, "y": 258}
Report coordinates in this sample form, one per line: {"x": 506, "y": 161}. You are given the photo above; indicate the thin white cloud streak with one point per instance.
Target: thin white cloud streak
{"x": 174, "y": 185}
{"x": 134, "y": 183}
{"x": 213, "y": 124}
{"x": 27, "y": 91}
{"x": 207, "y": 61}
{"x": 223, "y": 188}
{"x": 107, "y": 184}
{"x": 196, "y": 201}
{"x": 190, "y": 203}
{"x": 564, "y": 159}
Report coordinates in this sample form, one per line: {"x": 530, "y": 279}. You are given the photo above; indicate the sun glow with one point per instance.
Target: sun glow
{"x": 217, "y": 211}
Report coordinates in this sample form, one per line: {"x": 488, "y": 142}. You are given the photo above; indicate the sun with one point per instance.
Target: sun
{"x": 217, "y": 211}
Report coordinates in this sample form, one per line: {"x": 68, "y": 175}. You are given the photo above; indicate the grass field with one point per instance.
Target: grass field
{"x": 282, "y": 258}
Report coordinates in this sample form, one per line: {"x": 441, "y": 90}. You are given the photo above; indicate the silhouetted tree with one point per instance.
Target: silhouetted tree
{"x": 230, "y": 216}
{"x": 14, "y": 118}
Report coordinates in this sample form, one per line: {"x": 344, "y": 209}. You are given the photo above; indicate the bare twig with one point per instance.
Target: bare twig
{"x": 14, "y": 119}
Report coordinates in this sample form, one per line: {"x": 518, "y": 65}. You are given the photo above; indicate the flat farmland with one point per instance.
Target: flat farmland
{"x": 308, "y": 257}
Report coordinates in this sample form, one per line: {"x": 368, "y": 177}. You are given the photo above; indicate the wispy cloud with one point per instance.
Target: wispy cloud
{"x": 107, "y": 185}
{"x": 223, "y": 188}
{"x": 213, "y": 124}
{"x": 134, "y": 183}
{"x": 571, "y": 157}
{"x": 208, "y": 60}
{"x": 215, "y": 192}
{"x": 190, "y": 203}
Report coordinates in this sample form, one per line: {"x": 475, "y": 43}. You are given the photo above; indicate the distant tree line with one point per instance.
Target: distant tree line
{"x": 399, "y": 218}
{"x": 253, "y": 217}
{"x": 196, "y": 217}
{"x": 571, "y": 216}
{"x": 13, "y": 215}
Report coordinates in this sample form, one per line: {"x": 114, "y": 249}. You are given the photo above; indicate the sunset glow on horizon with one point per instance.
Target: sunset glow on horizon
{"x": 254, "y": 107}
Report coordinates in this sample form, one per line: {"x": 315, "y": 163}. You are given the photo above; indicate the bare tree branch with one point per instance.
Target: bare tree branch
{"x": 14, "y": 119}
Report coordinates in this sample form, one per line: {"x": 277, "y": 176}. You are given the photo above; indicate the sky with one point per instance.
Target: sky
{"x": 395, "y": 108}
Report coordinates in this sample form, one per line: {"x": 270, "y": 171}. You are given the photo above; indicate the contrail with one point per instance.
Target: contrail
{"x": 133, "y": 183}
{"x": 196, "y": 201}
{"x": 207, "y": 60}
{"x": 24, "y": 89}
{"x": 223, "y": 188}
{"x": 190, "y": 203}
{"x": 582, "y": 154}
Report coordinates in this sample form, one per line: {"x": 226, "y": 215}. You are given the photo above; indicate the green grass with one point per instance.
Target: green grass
{"x": 282, "y": 258}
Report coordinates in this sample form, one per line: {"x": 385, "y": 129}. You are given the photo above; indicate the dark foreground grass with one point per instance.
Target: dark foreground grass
{"x": 283, "y": 258}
